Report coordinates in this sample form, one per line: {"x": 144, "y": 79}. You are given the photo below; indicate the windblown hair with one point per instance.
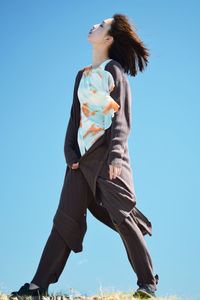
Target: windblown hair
{"x": 127, "y": 48}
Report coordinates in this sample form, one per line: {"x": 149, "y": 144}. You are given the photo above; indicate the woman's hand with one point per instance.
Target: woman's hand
{"x": 75, "y": 165}
{"x": 114, "y": 171}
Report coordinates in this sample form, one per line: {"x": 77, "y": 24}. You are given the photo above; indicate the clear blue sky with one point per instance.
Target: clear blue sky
{"x": 43, "y": 45}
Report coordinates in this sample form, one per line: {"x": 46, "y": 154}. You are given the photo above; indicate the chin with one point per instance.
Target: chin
{"x": 89, "y": 38}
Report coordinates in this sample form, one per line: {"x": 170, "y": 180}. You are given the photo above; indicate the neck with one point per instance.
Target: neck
{"x": 98, "y": 56}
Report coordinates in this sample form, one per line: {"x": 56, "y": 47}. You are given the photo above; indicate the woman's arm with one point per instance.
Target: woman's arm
{"x": 71, "y": 132}
{"x": 121, "y": 122}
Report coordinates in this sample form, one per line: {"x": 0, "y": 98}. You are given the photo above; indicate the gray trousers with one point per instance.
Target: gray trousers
{"x": 61, "y": 240}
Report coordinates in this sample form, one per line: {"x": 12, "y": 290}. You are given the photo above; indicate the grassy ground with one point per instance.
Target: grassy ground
{"x": 102, "y": 296}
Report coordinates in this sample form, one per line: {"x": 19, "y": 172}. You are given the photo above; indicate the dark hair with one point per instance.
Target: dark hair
{"x": 127, "y": 48}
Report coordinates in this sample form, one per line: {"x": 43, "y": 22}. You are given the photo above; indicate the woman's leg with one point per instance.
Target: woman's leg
{"x": 137, "y": 251}
{"x": 52, "y": 261}
{"x": 129, "y": 231}
{"x": 68, "y": 229}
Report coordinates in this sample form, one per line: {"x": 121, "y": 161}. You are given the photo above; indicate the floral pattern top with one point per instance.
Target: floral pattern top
{"x": 97, "y": 107}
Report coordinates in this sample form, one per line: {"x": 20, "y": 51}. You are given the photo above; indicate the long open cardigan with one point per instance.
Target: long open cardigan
{"x": 111, "y": 148}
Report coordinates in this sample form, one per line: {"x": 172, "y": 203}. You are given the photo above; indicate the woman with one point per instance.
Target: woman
{"x": 98, "y": 174}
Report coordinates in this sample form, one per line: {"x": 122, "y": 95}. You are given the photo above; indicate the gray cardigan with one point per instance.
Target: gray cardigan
{"x": 110, "y": 148}
{"x": 117, "y": 133}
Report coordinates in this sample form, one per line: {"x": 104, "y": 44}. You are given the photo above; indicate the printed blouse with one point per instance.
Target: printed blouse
{"x": 97, "y": 107}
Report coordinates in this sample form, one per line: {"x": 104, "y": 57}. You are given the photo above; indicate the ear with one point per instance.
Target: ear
{"x": 109, "y": 39}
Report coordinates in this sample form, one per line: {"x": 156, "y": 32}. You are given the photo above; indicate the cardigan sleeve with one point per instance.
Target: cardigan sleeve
{"x": 121, "y": 123}
{"x": 71, "y": 132}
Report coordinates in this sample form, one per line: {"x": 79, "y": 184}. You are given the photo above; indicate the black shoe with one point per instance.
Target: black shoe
{"x": 146, "y": 290}
{"x": 25, "y": 291}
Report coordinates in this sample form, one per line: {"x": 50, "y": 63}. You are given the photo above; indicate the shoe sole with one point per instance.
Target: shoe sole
{"x": 143, "y": 294}
{"x": 26, "y": 297}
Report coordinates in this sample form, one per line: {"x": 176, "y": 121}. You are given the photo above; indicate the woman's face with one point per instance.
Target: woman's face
{"x": 98, "y": 33}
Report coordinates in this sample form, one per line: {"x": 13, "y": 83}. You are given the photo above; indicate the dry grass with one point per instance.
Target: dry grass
{"x": 102, "y": 296}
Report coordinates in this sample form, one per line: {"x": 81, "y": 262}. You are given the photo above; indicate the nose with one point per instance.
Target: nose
{"x": 94, "y": 26}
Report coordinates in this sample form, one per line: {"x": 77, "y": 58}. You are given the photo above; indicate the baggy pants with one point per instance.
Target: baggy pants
{"x": 69, "y": 229}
